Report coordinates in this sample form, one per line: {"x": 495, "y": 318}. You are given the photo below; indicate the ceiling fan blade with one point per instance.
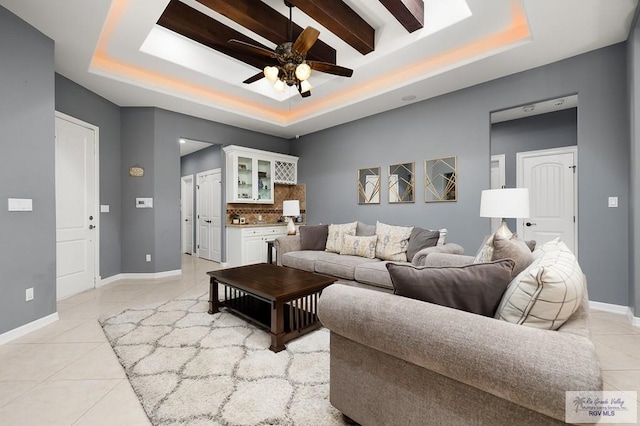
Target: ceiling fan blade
{"x": 330, "y": 68}
{"x": 250, "y": 48}
{"x": 305, "y": 40}
{"x": 254, "y": 78}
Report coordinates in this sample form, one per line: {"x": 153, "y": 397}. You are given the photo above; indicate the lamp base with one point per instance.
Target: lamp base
{"x": 291, "y": 227}
{"x": 503, "y": 230}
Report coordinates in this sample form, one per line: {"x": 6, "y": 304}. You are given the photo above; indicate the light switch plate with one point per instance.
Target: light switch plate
{"x": 20, "y": 204}
{"x": 104, "y": 208}
{"x": 144, "y": 203}
{"x": 613, "y": 201}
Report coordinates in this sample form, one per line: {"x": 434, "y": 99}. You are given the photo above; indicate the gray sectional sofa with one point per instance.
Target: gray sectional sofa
{"x": 356, "y": 271}
{"x": 396, "y": 360}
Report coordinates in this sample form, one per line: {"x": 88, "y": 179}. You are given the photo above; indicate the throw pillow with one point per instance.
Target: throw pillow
{"x": 443, "y": 233}
{"x": 515, "y": 249}
{"x": 336, "y": 234}
{"x": 359, "y": 246}
{"x": 419, "y": 239}
{"x": 472, "y": 288}
{"x": 485, "y": 254}
{"x": 313, "y": 237}
{"x": 392, "y": 241}
{"x": 548, "y": 292}
{"x": 364, "y": 230}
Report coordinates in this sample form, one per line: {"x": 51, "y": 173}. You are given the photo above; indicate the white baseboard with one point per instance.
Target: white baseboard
{"x": 28, "y": 328}
{"x": 141, "y": 276}
{"x": 616, "y": 309}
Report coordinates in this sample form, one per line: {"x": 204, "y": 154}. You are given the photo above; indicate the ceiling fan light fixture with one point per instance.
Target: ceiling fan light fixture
{"x": 271, "y": 73}
{"x": 303, "y": 71}
{"x": 305, "y": 86}
{"x": 279, "y": 85}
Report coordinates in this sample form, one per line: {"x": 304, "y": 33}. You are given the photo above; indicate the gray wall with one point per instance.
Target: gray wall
{"x": 150, "y": 137}
{"x": 458, "y": 124}
{"x": 138, "y": 225}
{"x": 76, "y": 101}
{"x": 201, "y": 161}
{"x": 633, "y": 49}
{"x": 27, "y": 170}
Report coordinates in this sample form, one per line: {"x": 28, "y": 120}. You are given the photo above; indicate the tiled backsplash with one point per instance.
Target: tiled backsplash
{"x": 271, "y": 212}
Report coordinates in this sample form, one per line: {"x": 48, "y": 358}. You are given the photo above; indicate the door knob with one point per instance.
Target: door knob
{"x": 90, "y": 217}
{"x": 91, "y": 226}
{"x": 530, "y": 224}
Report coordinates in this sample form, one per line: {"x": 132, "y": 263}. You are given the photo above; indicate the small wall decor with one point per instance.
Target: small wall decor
{"x": 401, "y": 183}
{"x": 369, "y": 186}
{"x": 440, "y": 176}
{"x": 136, "y": 171}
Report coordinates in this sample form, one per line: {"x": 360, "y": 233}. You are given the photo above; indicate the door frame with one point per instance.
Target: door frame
{"x": 501, "y": 159}
{"x": 183, "y": 216}
{"x": 96, "y": 140}
{"x": 520, "y": 156}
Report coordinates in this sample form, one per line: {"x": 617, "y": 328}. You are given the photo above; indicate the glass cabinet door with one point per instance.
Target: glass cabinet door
{"x": 265, "y": 185}
{"x": 245, "y": 178}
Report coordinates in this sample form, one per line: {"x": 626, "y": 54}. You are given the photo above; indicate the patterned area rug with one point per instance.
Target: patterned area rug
{"x": 189, "y": 367}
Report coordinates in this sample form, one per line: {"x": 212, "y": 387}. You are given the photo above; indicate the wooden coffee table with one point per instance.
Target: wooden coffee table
{"x": 282, "y": 300}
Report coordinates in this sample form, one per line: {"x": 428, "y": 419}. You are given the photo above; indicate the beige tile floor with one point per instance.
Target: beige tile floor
{"x": 67, "y": 374}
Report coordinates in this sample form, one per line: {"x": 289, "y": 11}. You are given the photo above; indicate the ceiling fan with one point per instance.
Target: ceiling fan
{"x": 287, "y": 64}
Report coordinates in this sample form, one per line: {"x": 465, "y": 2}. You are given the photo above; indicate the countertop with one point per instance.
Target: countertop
{"x": 261, "y": 225}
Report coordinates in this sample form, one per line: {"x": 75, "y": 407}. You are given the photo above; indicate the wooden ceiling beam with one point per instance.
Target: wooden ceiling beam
{"x": 184, "y": 20}
{"x": 340, "y": 19}
{"x": 410, "y": 13}
{"x": 268, "y": 23}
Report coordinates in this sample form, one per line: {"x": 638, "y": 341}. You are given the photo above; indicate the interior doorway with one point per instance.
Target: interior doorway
{"x": 77, "y": 200}
{"x": 539, "y": 142}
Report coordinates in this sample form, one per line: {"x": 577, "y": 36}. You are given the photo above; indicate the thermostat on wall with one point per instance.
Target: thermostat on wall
{"x": 144, "y": 203}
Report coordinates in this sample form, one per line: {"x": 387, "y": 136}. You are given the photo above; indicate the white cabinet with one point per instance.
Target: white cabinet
{"x": 286, "y": 170}
{"x": 246, "y": 246}
{"x": 252, "y": 173}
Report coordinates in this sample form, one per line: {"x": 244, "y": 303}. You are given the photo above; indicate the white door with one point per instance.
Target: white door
{"x": 551, "y": 178}
{"x": 209, "y": 216}
{"x": 76, "y": 206}
{"x": 498, "y": 180}
{"x": 186, "y": 206}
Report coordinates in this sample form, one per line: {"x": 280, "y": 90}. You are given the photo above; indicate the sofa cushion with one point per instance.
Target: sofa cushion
{"x": 374, "y": 273}
{"x": 359, "y": 246}
{"x": 421, "y": 238}
{"x": 340, "y": 265}
{"x": 336, "y": 235}
{"x": 514, "y": 249}
{"x": 474, "y": 288}
{"x": 364, "y": 230}
{"x": 392, "y": 241}
{"x": 313, "y": 237}
{"x": 547, "y": 292}
{"x": 304, "y": 260}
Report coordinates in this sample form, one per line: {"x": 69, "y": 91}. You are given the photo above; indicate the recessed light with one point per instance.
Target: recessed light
{"x": 408, "y": 98}
{"x": 528, "y": 108}
{"x": 183, "y": 141}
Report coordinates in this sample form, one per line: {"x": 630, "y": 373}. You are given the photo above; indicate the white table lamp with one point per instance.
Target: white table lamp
{"x": 291, "y": 208}
{"x": 505, "y": 203}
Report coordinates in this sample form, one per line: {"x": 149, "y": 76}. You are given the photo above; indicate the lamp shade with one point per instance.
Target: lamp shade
{"x": 505, "y": 202}
{"x": 291, "y": 208}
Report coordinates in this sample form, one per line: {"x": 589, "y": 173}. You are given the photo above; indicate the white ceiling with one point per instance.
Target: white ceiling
{"x": 114, "y": 48}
